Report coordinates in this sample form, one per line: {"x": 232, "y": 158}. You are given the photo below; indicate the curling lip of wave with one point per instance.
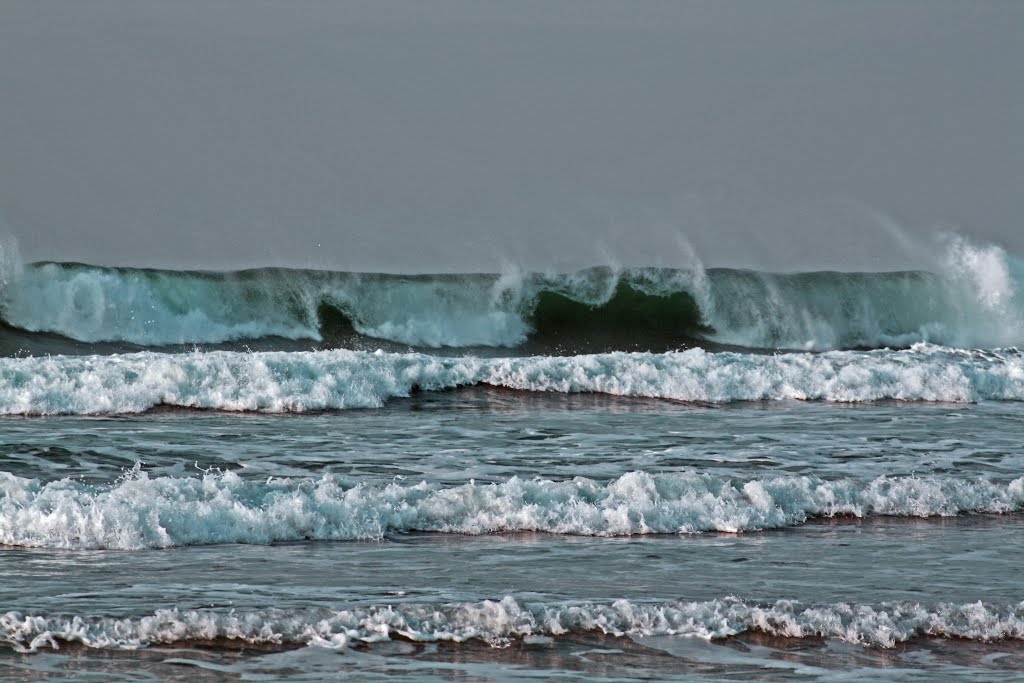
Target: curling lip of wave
{"x": 498, "y": 622}
{"x": 973, "y": 302}
{"x": 340, "y": 379}
{"x": 142, "y": 512}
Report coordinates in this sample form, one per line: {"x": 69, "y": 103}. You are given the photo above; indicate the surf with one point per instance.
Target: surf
{"x": 141, "y": 512}
{"x": 972, "y": 301}
{"x": 501, "y": 622}
{"x": 300, "y": 382}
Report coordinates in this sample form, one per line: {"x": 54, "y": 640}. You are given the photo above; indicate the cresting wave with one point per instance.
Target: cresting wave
{"x": 502, "y": 621}
{"x": 974, "y": 300}
{"x": 142, "y": 512}
{"x": 341, "y": 379}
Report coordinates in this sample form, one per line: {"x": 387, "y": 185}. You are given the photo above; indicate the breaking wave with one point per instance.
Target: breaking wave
{"x": 973, "y": 300}
{"x": 220, "y": 507}
{"x": 342, "y": 379}
{"x": 499, "y": 622}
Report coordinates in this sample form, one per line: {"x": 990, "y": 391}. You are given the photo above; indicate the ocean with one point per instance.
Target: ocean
{"x": 611, "y": 474}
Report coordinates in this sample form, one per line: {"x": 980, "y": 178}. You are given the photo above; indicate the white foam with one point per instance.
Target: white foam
{"x": 501, "y": 621}
{"x": 341, "y": 379}
{"x": 142, "y": 512}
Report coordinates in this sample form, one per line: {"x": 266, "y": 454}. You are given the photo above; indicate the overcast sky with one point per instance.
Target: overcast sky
{"x": 475, "y": 135}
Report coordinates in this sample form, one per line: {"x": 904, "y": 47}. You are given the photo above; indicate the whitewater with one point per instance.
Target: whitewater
{"x": 341, "y": 379}
{"x": 143, "y": 512}
{"x": 619, "y": 472}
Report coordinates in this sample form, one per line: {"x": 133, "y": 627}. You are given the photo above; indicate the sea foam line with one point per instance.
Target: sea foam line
{"x": 341, "y": 379}
{"x": 501, "y": 621}
{"x": 154, "y": 512}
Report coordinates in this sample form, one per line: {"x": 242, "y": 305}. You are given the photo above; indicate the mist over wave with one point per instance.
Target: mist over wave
{"x": 973, "y": 300}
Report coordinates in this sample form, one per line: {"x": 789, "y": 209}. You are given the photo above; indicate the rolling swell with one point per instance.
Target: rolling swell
{"x": 76, "y": 308}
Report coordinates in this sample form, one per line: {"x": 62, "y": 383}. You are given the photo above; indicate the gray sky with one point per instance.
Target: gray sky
{"x": 470, "y": 135}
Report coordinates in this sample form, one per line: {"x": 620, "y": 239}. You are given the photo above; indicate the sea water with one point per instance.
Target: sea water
{"x": 511, "y": 477}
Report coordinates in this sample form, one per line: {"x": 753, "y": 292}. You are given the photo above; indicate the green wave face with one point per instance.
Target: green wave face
{"x": 630, "y": 320}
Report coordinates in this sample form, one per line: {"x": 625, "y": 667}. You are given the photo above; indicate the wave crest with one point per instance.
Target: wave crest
{"x": 142, "y": 512}
{"x": 973, "y": 301}
{"x": 340, "y": 379}
{"x": 498, "y": 622}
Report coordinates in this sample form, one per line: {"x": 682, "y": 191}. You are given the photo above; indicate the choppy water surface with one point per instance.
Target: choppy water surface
{"x": 603, "y": 475}
{"x": 495, "y": 534}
